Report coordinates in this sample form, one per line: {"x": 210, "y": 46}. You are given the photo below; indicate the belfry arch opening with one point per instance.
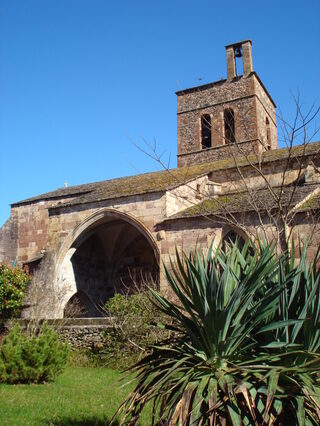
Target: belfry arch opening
{"x": 206, "y": 131}
{"x": 268, "y": 133}
{"x": 229, "y": 126}
{"x": 112, "y": 255}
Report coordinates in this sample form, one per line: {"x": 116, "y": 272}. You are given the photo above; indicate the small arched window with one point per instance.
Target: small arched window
{"x": 205, "y": 131}
{"x": 77, "y": 306}
{"x": 268, "y": 133}
{"x": 232, "y": 238}
{"x": 229, "y": 127}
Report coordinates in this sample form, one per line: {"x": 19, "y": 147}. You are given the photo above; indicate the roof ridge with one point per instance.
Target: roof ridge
{"x": 176, "y": 176}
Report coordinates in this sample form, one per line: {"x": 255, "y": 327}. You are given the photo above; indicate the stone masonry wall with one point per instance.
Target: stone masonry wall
{"x": 186, "y": 196}
{"x": 217, "y": 153}
{"x": 147, "y": 208}
{"x": 237, "y": 94}
{"x": 213, "y": 93}
{"x": 251, "y": 179}
{"x": 251, "y": 106}
{"x": 186, "y": 235}
{"x": 230, "y": 180}
{"x": 86, "y": 333}
{"x": 265, "y": 109}
{"x": 88, "y": 337}
{"x": 9, "y": 239}
{"x": 307, "y": 230}
{"x": 40, "y": 231}
{"x": 33, "y": 229}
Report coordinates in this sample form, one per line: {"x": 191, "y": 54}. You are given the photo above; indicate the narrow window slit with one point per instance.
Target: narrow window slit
{"x": 268, "y": 133}
{"x": 205, "y": 131}
{"x": 229, "y": 127}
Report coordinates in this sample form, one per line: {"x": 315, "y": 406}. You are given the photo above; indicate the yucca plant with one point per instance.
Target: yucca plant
{"x": 246, "y": 343}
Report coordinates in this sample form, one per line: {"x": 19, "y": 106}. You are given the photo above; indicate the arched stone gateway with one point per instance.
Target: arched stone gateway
{"x": 109, "y": 252}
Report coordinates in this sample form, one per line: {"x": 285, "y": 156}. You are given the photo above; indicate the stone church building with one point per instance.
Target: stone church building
{"x": 86, "y": 242}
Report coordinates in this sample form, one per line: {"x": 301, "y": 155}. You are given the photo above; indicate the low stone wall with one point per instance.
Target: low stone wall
{"x": 86, "y": 335}
{"x": 80, "y": 333}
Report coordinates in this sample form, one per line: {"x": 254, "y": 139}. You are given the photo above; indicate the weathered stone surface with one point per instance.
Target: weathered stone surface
{"x": 9, "y": 239}
{"x": 251, "y": 105}
{"x": 88, "y": 333}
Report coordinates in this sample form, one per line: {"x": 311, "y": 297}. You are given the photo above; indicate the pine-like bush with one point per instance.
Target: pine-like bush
{"x": 32, "y": 359}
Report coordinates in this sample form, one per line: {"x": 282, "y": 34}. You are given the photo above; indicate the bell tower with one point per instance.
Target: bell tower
{"x": 230, "y": 117}
{"x": 235, "y": 51}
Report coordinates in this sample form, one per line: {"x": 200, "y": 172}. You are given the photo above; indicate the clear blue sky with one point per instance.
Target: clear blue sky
{"x": 79, "y": 79}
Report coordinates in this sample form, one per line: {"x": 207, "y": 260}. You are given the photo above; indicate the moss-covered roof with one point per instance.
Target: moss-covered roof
{"x": 161, "y": 181}
{"x": 260, "y": 200}
{"x": 312, "y": 203}
{"x": 123, "y": 187}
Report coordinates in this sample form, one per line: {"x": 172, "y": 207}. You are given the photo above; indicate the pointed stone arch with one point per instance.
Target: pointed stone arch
{"x": 109, "y": 251}
{"x": 78, "y": 306}
{"x": 231, "y": 234}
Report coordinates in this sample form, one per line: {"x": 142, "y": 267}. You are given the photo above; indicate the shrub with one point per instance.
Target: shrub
{"x": 248, "y": 352}
{"x": 31, "y": 359}
{"x": 13, "y": 285}
{"x": 133, "y": 328}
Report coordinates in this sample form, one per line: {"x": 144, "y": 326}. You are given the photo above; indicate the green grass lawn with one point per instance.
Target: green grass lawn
{"x": 80, "y": 396}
